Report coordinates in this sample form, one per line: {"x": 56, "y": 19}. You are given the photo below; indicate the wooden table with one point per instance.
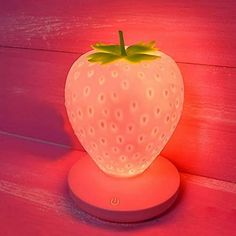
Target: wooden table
{"x": 39, "y": 40}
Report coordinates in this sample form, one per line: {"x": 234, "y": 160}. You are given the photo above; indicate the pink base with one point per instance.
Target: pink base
{"x": 124, "y": 199}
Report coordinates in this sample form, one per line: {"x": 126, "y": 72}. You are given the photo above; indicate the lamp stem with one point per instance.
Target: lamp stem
{"x": 122, "y": 44}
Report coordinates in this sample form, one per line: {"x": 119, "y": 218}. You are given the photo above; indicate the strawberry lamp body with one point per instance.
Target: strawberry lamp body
{"x": 124, "y": 113}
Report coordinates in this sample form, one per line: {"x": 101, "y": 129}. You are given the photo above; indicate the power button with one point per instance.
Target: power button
{"x": 114, "y": 201}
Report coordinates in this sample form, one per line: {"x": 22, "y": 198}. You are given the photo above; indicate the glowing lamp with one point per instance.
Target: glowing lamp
{"x": 124, "y": 103}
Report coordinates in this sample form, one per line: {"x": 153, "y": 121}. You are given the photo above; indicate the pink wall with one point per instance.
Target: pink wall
{"x": 39, "y": 44}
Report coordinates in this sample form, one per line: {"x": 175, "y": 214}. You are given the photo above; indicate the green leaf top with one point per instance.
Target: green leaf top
{"x": 105, "y": 53}
{"x": 114, "y": 49}
{"x": 141, "y": 48}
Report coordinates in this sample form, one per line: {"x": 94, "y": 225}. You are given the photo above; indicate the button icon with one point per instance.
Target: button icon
{"x": 115, "y": 201}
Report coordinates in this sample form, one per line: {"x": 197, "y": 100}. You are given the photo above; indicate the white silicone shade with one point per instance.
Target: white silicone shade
{"x": 124, "y": 113}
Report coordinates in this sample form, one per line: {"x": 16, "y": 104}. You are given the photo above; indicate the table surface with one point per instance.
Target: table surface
{"x": 39, "y": 40}
{"x": 35, "y": 199}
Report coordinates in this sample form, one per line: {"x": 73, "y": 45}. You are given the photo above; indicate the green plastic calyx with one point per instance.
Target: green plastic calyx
{"x": 106, "y": 53}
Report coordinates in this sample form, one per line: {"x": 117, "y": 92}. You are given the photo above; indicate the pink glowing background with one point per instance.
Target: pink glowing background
{"x": 40, "y": 40}
{"x": 198, "y": 35}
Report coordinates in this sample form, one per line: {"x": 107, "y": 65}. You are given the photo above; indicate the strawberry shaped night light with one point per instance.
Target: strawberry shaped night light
{"x": 124, "y": 103}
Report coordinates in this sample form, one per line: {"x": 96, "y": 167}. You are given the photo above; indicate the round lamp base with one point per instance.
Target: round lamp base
{"x": 124, "y": 199}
